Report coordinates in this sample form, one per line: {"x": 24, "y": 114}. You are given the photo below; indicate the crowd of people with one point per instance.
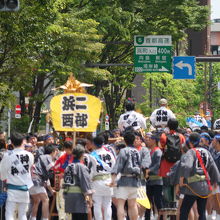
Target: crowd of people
{"x": 98, "y": 177}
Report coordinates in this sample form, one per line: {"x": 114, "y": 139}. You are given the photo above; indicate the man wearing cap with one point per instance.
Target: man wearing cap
{"x": 131, "y": 118}
{"x": 161, "y": 116}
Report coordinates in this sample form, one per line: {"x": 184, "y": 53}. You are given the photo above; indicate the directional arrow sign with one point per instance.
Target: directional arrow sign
{"x": 187, "y": 65}
{"x": 163, "y": 69}
{"x": 184, "y": 67}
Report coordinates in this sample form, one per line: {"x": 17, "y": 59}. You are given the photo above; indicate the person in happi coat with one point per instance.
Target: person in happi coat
{"x": 198, "y": 173}
{"x": 15, "y": 169}
{"x": 77, "y": 186}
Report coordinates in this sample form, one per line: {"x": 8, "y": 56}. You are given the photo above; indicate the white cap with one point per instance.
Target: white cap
{"x": 163, "y": 102}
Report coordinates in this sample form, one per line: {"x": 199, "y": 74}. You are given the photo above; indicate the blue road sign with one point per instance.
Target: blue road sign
{"x": 184, "y": 67}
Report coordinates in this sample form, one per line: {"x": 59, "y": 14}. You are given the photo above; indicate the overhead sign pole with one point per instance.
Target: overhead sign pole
{"x": 212, "y": 59}
{"x": 152, "y": 53}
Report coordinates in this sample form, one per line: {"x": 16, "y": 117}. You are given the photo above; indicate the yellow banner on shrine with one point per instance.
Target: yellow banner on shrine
{"x": 75, "y": 112}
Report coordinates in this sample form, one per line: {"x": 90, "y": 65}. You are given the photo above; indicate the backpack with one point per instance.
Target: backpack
{"x": 172, "y": 152}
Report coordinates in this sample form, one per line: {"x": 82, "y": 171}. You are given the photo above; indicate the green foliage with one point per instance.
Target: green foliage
{"x": 6, "y": 96}
{"x": 46, "y": 40}
{"x": 182, "y": 95}
{"x": 20, "y": 124}
{"x": 209, "y": 91}
{"x": 120, "y": 21}
{"x": 42, "y": 43}
{"x": 173, "y": 17}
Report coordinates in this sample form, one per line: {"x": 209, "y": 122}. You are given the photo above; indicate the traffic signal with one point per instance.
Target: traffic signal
{"x": 9, "y": 5}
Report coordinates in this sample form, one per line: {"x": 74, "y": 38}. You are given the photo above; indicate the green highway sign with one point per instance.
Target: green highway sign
{"x": 152, "y": 53}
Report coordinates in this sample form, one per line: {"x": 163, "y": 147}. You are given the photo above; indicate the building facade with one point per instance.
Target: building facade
{"x": 199, "y": 41}
{"x": 215, "y": 37}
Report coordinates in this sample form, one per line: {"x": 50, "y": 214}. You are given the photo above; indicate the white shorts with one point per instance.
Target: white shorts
{"x": 37, "y": 190}
{"x": 126, "y": 192}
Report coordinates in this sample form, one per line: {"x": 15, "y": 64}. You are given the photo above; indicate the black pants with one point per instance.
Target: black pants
{"x": 154, "y": 194}
{"x": 2, "y": 212}
{"x": 187, "y": 204}
{"x": 114, "y": 212}
{"x": 79, "y": 216}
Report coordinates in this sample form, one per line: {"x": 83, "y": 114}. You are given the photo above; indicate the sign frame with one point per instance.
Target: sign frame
{"x": 152, "y": 53}
{"x": 184, "y": 67}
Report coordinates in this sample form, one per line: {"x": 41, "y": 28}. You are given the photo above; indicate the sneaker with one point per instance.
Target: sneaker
{"x": 208, "y": 217}
{"x": 155, "y": 217}
{"x": 214, "y": 215}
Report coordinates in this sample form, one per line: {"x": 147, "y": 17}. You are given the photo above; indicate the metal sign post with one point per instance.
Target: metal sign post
{"x": 9, "y": 123}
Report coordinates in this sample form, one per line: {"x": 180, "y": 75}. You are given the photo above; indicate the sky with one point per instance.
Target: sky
{"x": 215, "y": 9}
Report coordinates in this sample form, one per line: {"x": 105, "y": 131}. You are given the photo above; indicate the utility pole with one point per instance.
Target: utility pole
{"x": 9, "y": 124}
{"x": 210, "y": 91}
{"x": 150, "y": 93}
{"x": 210, "y": 83}
{"x": 205, "y": 90}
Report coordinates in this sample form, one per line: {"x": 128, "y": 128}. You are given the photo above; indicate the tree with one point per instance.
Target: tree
{"x": 44, "y": 52}
{"x": 120, "y": 21}
{"x": 174, "y": 17}
{"x": 182, "y": 95}
{"x": 207, "y": 86}
{"x": 71, "y": 43}
{"x": 46, "y": 40}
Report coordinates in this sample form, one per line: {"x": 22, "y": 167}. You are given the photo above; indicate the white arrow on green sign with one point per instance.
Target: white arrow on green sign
{"x": 152, "y": 53}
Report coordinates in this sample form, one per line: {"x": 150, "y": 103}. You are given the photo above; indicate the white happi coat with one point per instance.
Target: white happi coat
{"x": 161, "y": 116}
{"x": 131, "y": 118}
{"x": 15, "y": 169}
{"x": 101, "y": 187}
